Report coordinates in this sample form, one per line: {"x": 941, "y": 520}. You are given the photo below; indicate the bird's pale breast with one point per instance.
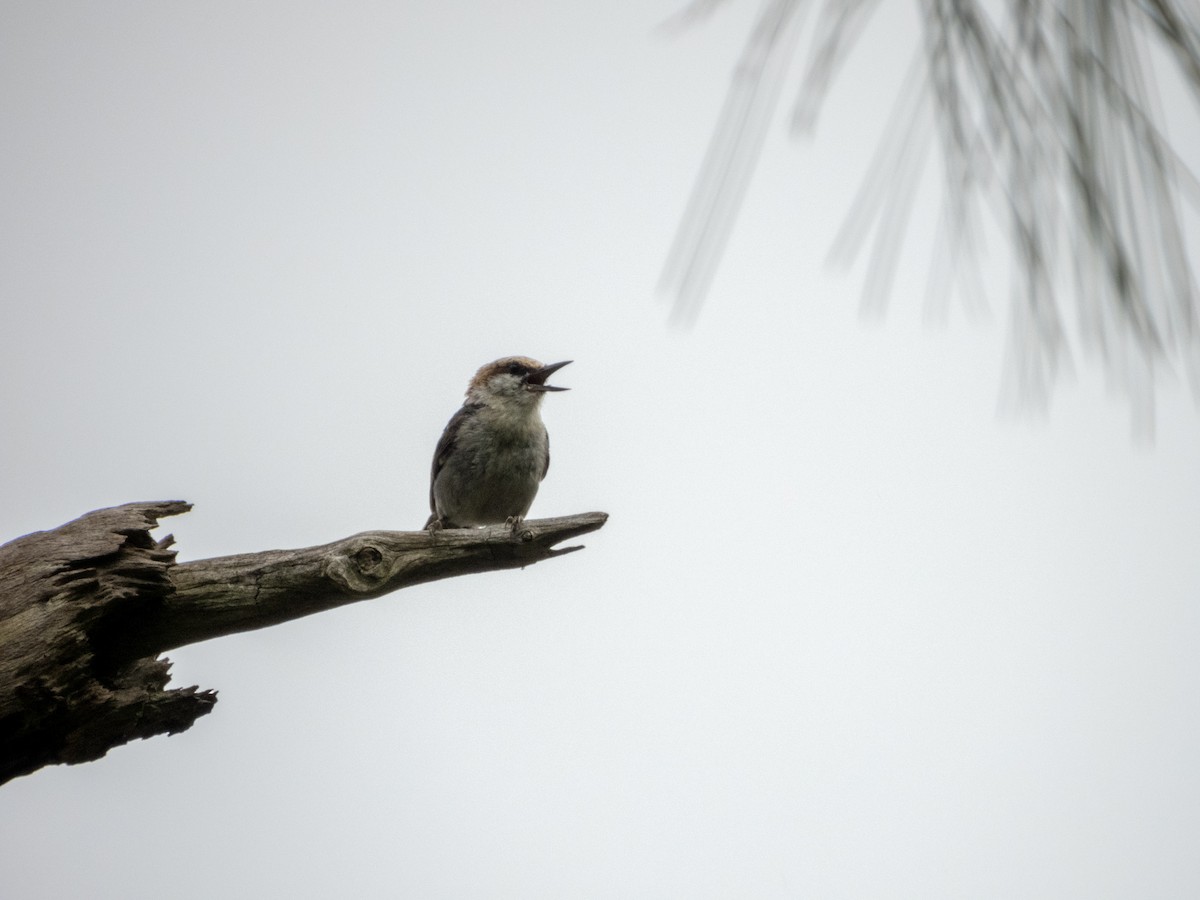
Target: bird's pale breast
{"x": 494, "y": 471}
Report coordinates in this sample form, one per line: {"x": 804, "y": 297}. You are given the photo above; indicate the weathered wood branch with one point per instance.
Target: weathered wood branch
{"x": 85, "y": 610}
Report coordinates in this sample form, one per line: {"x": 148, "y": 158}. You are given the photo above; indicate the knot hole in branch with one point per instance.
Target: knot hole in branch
{"x": 361, "y": 568}
{"x": 368, "y": 560}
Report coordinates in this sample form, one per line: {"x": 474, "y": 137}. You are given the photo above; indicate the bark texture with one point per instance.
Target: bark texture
{"x": 86, "y": 609}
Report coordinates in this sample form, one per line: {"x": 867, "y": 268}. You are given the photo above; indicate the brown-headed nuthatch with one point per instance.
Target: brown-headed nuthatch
{"x": 495, "y": 450}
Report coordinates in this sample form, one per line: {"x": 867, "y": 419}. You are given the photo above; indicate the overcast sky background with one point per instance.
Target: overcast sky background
{"x": 848, "y": 633}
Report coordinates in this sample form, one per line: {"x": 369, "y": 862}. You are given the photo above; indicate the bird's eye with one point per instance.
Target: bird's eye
{"x": 516, "y": 369}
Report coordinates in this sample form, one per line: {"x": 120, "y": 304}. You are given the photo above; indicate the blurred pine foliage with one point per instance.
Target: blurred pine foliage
{"x": 1046, "y": 115}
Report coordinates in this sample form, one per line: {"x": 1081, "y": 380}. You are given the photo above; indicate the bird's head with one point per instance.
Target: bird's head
{"x": 514, "y": 378}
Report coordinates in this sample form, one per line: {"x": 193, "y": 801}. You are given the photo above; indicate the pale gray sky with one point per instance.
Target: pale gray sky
{"x": 847, "y": 633}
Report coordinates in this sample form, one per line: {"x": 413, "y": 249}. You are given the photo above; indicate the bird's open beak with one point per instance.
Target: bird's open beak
{"x": 536, "y": 381}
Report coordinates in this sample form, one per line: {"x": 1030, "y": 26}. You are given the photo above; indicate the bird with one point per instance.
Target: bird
{"x": 495, "y": 451}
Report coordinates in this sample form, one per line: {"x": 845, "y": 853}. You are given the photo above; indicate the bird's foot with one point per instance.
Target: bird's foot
{"x": 514, "y": 522}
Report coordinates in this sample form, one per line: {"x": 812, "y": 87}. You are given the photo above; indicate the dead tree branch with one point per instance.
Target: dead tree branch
{"x": 85, "y": 610}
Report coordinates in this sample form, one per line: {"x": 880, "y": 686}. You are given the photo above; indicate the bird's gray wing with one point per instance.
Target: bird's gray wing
{"x": 445, "y": 445}
{"x": 546, "y": 467}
